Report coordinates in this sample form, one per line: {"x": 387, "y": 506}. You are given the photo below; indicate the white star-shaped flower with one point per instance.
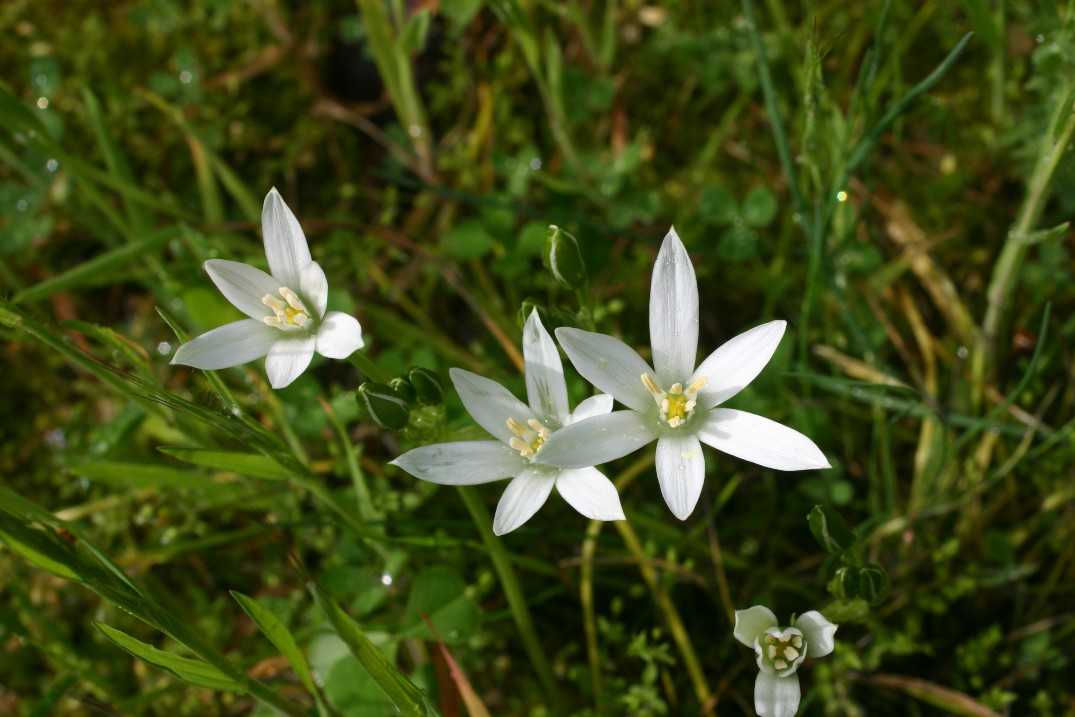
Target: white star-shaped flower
{"x": 779, "y": 653}
{"x": 521, "y": 431}
{"x": 288, "y": 322}
{"x": 675, "y": 403}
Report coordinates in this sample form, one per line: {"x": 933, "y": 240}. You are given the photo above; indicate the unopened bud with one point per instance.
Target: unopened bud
{"x": 563, "y": 259}
{"x": 427, "y": 386}
{"x": 830, "y": 529}
{"x": 383, "y": 405}
{"x": 873, "y": 583}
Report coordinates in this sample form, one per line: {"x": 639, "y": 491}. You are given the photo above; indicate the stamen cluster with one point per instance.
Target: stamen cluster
{"x": 528, "y": 438}
{"x": 676, "y": 405}
{"x": 290, "y": 316}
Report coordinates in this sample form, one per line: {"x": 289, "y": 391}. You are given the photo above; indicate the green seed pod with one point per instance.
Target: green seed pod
{"x": 404, "y": 390}
{"x": 830, "y": 529}
{"x": 873, "y": 583}
{"x": 427, "y": 386}
{"x": 563, "y": 259}
{"x": 384, "y": 407}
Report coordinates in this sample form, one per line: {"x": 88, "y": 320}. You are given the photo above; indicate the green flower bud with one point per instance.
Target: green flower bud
{"x": 427, "y": 385}
{"x": 844, "y": 584}
{"x": 873, "y": 583}
{"x": 830, "y": 529}
{"x": 563, "y": 259}
{"x": 384, "y": 407}
{"x": 403, "y": 390}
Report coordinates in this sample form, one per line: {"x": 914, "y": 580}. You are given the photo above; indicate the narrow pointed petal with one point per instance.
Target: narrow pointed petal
{"x": 673, "y": 312}
{"x": 597, "y": 405}
{"x": 819, "y": 633}
{"x": 285, "y": 244}
{"x": 462, "y": 463}
{"x": 243, "y": 285}
{"x": 489, "y": 403}
{"x": 288, "y": 358}
{"x": 591, "y": 493}
{"x": 681, "y": 472}
{"x": 339, "y": 335}
{"x": 313, "y": 288}
{"x": 526, "y": 493}
{"x": 596, "y": 440}
{"x": 738, "y": 362}
{"x": 759, "y": 440}
{"x": 545, "y": 386}
{"x": 611, "y": 365}
{"x": 228, "y": 345}
{"x": 752, "y": 622}
{"x": 776, "y": 696}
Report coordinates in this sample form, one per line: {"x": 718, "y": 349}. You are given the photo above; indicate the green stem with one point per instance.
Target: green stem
{"x": 370, "y": 370}
{"x": 513, "y": 592}
{"x": 1006, "y": 270}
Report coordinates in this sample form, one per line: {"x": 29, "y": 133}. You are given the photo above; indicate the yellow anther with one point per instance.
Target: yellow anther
{"x": 697, "y": 385}
{"x": 516, "y": 427}
{"x": 522, "y": 446}
{"x": 272, "y": 321}
{"x": 797, "y": 641}
{"x": 780, "y": 664}
{"x": 651, "y": 385}
{"x": 536, "y": 426}
{"x": 292, "y": 299}
{"x": 790, "y": 653}
{"x": 677, "y": 388}
{"x": 273, "y": 303}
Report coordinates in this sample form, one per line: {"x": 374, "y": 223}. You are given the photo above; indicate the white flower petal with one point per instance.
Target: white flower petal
{"x": 339, "y": 335}
{"x": 288, "y": 358}
{"x": 776, "y": 696}
{"x": 228, "y": 345}
{"x": 760, "y": 440}
{"x": 313, "y": 288}
{"x": 738, "y": 362}
{"x": 545, "y": 386}
{"x": 244, "y": 286}
{"x": 681, "y": 472}
{"x": 527, "y": 492}
{"x": 673, "y": 312}
{"x": 596, "y": 440}
{"x": 608, "y": 363}
{"x": 591, "y": 493}
{"x": 489, "y": 403}
{"x": 752, "y": 622}
{"x": 285, "y": 244}
{"x": 597, "y": 405}
{"x": 818, "y": 631}
{"x": 462, "y": 463}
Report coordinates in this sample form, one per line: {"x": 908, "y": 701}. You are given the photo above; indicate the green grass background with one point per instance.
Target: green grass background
{"x": 897, "y": 190}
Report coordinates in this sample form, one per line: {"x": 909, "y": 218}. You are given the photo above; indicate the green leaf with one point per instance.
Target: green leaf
{"x": 248, "y": 464}
{"x": 830, "y": 529}
{"x": 279, "y": 635}
{"x": 141, "y": 475}
{"x": 413, "y": 37}
{"x": 759, "y": 208}
{"x": 407, "y": 698}
{"x": 195, "y": 672}
{"x": 1044, "y": 235}
{"x": 441, "y": 594}
{"x": 39, "y": 548}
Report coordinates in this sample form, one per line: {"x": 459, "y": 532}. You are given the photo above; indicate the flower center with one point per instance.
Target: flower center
{"x": 783, "y": 651}
{"x": 528, "y": 438}
{"x": 290, "y": 314}
{"x": 676, "y": 404}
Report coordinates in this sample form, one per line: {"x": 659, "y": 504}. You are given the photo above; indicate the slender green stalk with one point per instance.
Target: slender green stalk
{"x": 370, "y": 370}
{"x": 514, "y": 593}
{"x": 366, "y": 509}
{"x": 1006, "y": 271}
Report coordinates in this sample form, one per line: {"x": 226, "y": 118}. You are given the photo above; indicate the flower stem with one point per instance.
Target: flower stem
{"x": 370, "y": 370}
{"x": 513, "y": 592}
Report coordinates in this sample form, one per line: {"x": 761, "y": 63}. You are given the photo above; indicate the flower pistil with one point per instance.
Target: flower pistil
{"x": 676, "y": 404}
{"x": 290, "y": 316}
{"x": 528, "y": 438}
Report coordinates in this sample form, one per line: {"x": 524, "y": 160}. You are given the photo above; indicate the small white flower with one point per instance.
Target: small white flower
{"x": 521, "y": 431}
{"x": 287, "y": 308}
{"x": 677, "y": 404}
{"x": 779, "y": 652}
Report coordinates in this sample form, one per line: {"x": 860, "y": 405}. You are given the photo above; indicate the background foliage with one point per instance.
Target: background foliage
{"x": 916, "y": 247}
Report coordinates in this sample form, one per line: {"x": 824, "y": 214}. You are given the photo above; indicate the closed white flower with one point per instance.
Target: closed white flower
{"x": 288, "y": 321}
{"x": 675, "y": 403}
{"x": 779, "y": 652}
